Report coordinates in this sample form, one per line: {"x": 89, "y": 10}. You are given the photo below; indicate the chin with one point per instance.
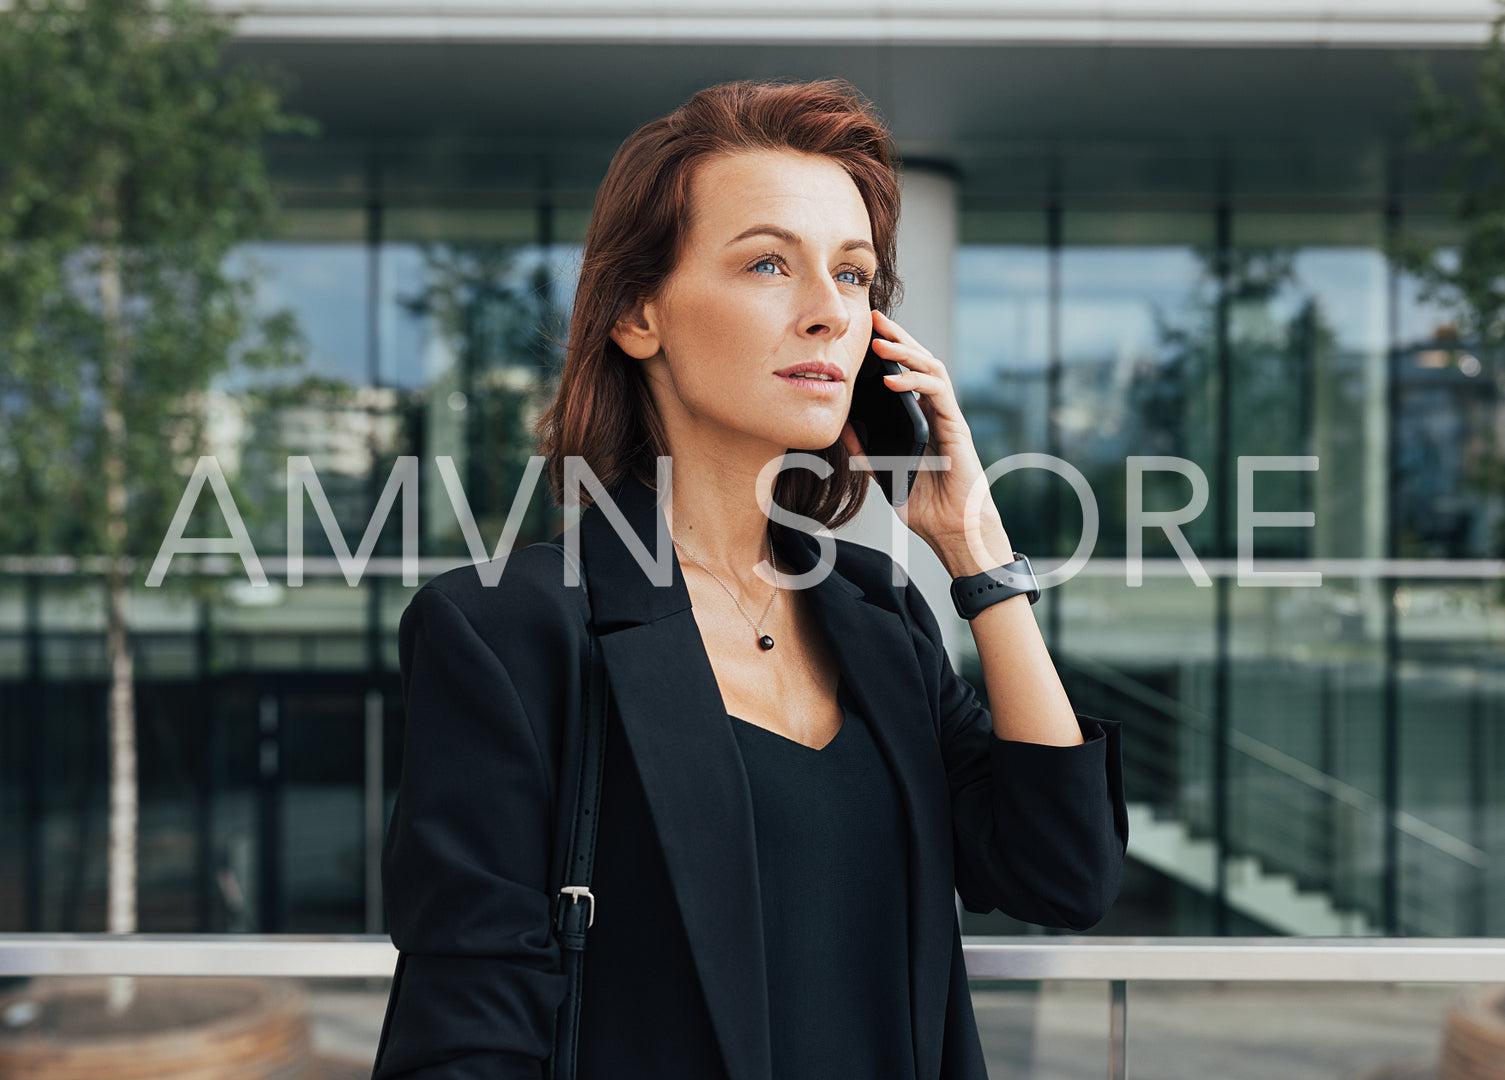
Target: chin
{"x": 805, "y": 433}
{"x": 815, "y": 442}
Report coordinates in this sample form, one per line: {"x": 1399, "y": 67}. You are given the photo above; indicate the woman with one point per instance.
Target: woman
{"x": 796, "y": 782}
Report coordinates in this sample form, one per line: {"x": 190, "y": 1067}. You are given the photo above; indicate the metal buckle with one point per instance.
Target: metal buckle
{"x": 577, "y": 891}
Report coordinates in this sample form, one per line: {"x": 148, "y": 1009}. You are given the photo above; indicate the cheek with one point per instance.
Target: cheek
{"x": 728, "y": 325}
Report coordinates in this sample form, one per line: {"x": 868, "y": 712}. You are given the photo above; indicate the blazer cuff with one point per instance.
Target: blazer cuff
{"x": 1093, "y": 729}
{"x": 1091, "y": 770}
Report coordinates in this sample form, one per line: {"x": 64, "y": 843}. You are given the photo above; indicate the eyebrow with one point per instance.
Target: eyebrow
{"x": 791, "y": 238}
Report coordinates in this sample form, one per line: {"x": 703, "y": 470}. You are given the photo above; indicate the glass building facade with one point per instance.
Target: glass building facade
{"x": 1320, "y": 760}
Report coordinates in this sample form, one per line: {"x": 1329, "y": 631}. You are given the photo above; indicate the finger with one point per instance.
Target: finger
{"x": 937, "y": 400}
{"x": 887, "y": 326}
{"x": 914, "y": 355}
{"x": 923, "y": 381}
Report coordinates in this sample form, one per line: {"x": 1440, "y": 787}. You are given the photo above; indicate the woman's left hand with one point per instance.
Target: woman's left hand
{"x": 937, "y": 504}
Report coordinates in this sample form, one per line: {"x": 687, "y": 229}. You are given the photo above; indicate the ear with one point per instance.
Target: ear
{"x": 634, "y": 335}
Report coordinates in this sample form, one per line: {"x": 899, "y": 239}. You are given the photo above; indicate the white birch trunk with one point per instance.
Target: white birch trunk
{"x": 122, "y": 702}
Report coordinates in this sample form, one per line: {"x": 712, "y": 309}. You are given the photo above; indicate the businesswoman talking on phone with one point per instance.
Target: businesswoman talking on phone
{"x": 795, "y": 780}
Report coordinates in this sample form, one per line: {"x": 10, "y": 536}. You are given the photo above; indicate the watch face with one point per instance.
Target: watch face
{"x": 1028, "y": 574}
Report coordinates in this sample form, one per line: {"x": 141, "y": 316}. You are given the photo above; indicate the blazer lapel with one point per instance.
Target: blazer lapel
{"x": 682, "y": 742}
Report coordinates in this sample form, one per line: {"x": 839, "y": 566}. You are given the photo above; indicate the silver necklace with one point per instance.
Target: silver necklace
{"x": 764, "y": 641}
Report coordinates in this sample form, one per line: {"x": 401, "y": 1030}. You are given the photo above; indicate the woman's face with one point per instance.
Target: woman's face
{"x": 773, "y": 277}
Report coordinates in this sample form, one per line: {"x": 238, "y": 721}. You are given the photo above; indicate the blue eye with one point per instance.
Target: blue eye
{"x": 854, "y": 275}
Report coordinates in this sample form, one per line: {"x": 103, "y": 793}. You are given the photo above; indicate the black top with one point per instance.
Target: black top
{"x": 833, "y": 866}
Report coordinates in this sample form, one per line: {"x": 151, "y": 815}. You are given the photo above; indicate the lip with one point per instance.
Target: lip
{"x": 837, "y": 375}
{"x": 816, "y": 386}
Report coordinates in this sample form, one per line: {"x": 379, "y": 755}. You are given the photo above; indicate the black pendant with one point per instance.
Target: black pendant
{"x": 765, "y": 642}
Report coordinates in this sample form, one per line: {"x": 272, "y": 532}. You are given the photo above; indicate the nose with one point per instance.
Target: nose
{"x": 826, "y": 312}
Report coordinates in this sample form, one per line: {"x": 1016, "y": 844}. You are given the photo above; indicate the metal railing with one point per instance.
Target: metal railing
{"x": 1174, "y": 959}
{"x": 1114, "y": 960}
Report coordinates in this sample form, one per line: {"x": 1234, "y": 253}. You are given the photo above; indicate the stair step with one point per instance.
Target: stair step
{"x": 1269, "y": 896}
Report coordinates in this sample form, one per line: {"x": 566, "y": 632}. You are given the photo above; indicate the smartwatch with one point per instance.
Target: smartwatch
{"x": 975, "y": 592}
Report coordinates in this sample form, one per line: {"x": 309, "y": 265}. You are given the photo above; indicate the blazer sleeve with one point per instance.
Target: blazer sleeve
{"x": 1039, "y": 831}
{"x": 465, "y": 864}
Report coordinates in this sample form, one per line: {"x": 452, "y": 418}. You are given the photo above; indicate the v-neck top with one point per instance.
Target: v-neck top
{"x": 832, "y": 846}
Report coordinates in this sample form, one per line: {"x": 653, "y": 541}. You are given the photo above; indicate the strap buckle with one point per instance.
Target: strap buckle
{"x": 576, "y": 892}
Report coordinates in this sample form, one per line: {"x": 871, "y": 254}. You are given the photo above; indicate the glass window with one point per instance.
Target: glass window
{"x": 1448, "y": 506}
{"x": 1449, "y": 448}
{"x": 316, "y": 268}
{"x": 471, "y": 331}
{"x": 1138, "y": 348}
{"x": 1308, "y": 338}
{"x": 1002, "y": 360}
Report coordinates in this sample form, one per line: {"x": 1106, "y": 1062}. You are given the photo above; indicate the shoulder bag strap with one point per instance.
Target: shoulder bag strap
{"x": 575, "y": 905}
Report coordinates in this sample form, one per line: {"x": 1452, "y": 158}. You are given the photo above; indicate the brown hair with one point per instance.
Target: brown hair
{"x": 603, "y": 410}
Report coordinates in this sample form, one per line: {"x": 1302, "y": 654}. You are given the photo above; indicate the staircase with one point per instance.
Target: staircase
{"x": 1305, "y": 848}
{"x": 1261, "y": 894}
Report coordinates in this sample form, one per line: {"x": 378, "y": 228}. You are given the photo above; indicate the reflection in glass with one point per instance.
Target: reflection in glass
{"x": 1450, "y": 441}
{"x": 1001, "y": 370}
{"x": 1138, "y": 347}
{"x": 1307, "y": 339}
{"x": 472, "y": 332}
{"x": 324, "y": 285}
{"x": 327, "y": 408}
{"x": 1449, "y": 504}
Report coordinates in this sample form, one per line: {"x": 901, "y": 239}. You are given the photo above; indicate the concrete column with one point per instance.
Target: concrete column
{"x": 927, "y": 251}
{"x": 927, "y": 256}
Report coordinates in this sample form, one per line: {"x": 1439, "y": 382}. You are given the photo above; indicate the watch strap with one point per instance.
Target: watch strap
{"x": 975, "y": 592}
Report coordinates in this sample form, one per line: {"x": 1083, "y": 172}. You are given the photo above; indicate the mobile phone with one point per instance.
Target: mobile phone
{"x": 888, "y": 422}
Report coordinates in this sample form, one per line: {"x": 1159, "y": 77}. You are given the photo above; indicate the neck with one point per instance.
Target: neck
{"x": 714, "y": 513}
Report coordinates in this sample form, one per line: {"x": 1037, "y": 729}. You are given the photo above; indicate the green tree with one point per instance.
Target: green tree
{"x": 131, "y": 164}
{"x": 1469, "y": 281}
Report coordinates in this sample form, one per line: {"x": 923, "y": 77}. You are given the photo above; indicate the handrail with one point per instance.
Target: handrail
{"x": 1161, "y": 959}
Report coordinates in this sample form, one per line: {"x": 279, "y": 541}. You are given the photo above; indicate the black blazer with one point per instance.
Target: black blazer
{"x": 674, "y": 982}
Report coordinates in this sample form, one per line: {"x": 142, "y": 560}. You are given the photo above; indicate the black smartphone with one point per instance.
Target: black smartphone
{"x": 888, "y": 422}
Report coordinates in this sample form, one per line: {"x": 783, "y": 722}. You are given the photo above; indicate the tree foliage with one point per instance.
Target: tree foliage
{"x": 127, "y": 147}
{"x": 1468, "y": 280}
